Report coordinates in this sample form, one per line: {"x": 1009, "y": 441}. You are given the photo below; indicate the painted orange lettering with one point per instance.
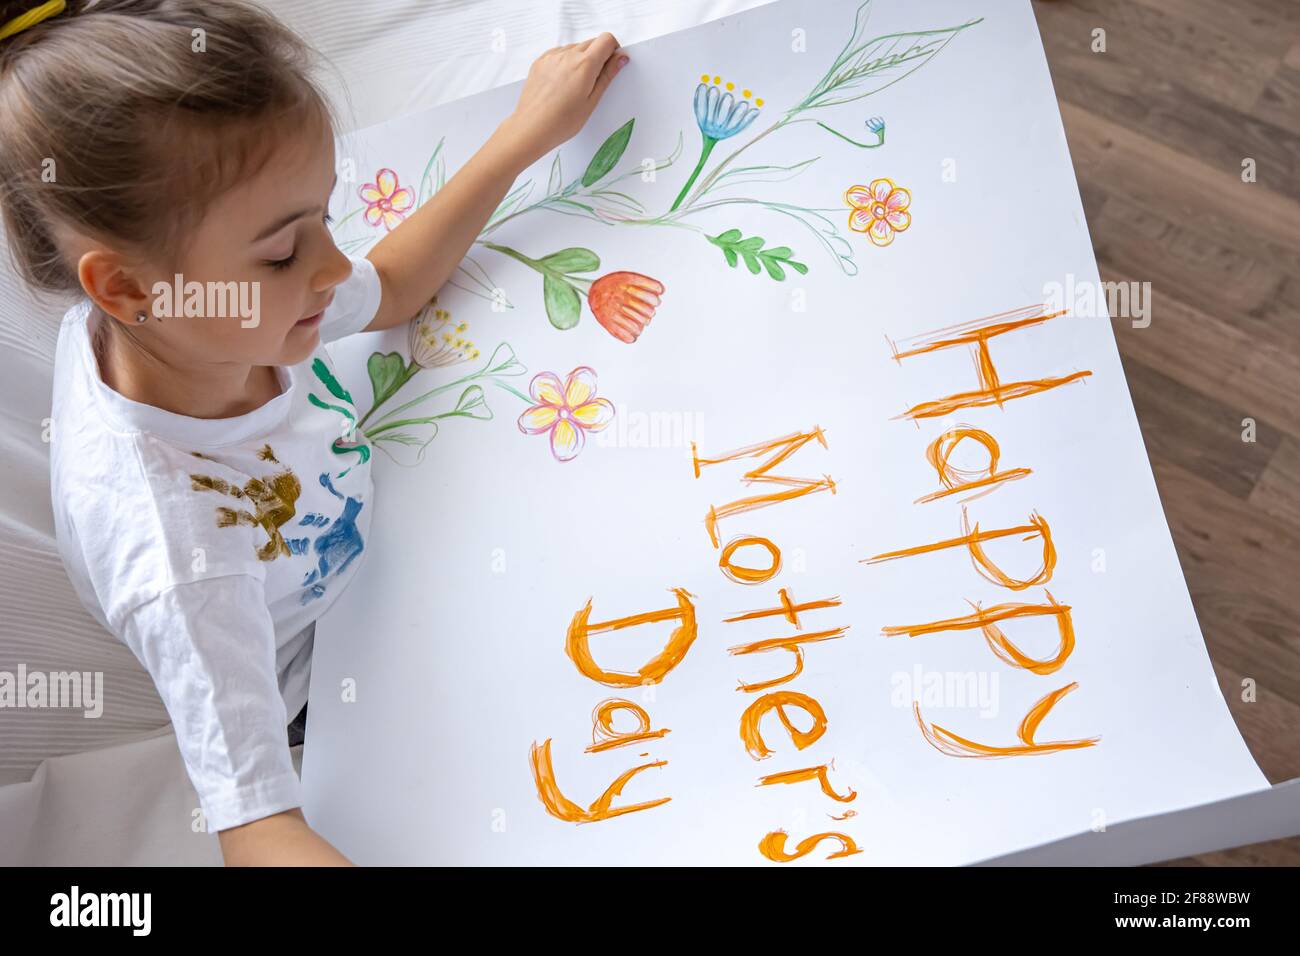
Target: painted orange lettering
{"x": 772, "y": 846}
{"x": 972, "y": 538}
{"x": 742, "y": 574}
{"x": 778, "y": 451}
{"x": 604, "y": 735}
{"x": 779, "y": 701}
{"x": 991, "y": 391}
{"x": 791, "y": 644}
{"x": 959, "y": 480}
{"x": 577, "y": 642}
{"x": 820, "y": 774}
{"x": 949, "y": 743}
{"x": 788, "y": 609}
{"x": 986, "y": 620}
{"x": 561, "y": 807}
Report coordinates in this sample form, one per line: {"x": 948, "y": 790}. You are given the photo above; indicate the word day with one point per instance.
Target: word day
{"x": 747, "y": 560}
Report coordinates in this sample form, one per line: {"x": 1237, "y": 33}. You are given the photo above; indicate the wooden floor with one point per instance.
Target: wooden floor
{"x": 1159, "y": 125}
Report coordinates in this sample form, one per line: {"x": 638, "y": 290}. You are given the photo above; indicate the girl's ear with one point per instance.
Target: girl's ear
{"x": 113, "y": 285}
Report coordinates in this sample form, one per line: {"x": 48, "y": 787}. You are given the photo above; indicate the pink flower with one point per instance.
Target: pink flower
{"x": 566, "y": 411}
{"x": 385, "y": 202}
{"x": 879, "y": 210}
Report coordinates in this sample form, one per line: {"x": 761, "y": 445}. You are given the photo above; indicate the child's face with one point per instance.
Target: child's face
{"x": 268, "y": 235}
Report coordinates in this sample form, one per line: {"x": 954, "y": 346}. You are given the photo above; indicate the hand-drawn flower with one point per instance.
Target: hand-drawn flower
{"x": 386, "y": 202}
{"x": 567, "y": 412}
{"x": 435, "y": 342}
{"x": 879, "y": 210}
{"x": 624, "y": 303}
{"x": 719, "y": 115}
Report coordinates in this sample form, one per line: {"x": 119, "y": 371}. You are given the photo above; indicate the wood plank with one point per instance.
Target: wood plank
{"x": 1241, "y": 569}
{"x": 1197, "y": 431}
{"x": 1262, "y": 224}
{"x": 1278, "y": 491}
{"x": 1279, "y": 100}
{"x": 1249, "y": 371}
{"x": 1227, "y": 69}
{"x": 1129, "y": 95}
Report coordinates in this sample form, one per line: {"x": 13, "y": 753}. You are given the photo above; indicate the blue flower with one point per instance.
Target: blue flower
{"x": 720, "y": 114}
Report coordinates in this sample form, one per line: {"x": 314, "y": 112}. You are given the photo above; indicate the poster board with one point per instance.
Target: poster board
{"x": 771, "y": 599}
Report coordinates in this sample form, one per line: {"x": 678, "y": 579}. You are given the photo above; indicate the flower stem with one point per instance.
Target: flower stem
{"x": 709, "y": 143}
{"x": 875, "y": 145}
{"x": 380, "y": 429}
{"x": 432, "y": 392}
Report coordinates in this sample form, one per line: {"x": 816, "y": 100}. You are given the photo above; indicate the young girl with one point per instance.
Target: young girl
{"x": 201, "y": 511}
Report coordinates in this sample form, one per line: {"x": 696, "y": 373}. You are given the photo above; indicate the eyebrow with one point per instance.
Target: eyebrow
{"x": 285, "y": 220}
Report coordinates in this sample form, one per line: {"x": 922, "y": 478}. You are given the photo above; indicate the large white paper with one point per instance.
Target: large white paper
{"x": 445, "y": 711}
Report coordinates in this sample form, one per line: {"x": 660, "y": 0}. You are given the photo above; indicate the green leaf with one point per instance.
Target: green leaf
{"x": 385, "y": 372}
{"x": 562, "y": 305}
{"x": 327, "y": 377}
{"x": 575, "y": 259}
{"x": 757, "y": 259}
{"x": 609, "y": 153}
{"x": 503, "y": 362}
{"x": 865, "y": 67}
{"x": 473, "y": 404}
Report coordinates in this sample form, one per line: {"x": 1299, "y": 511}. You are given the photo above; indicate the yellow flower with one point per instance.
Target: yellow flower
{"x": 879, "y": 210}
{"x": 566, "y": 411}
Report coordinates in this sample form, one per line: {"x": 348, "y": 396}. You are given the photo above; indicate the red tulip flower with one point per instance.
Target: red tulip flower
{"x": 624, "y": 303}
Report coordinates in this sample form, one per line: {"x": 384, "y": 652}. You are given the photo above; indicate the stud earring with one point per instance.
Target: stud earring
{"x": 141, "y": 316}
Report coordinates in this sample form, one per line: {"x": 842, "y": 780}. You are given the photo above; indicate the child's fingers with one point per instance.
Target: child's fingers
{"x": 598, "y": 48}
{"x": 607, "y": 73}
{"x": 586, "y": 44}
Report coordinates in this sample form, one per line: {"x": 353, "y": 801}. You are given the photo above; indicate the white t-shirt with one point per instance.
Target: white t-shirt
{"x": 211, "y": 546}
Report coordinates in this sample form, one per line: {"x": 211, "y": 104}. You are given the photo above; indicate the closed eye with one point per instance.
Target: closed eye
{"x": 281, "y": 264}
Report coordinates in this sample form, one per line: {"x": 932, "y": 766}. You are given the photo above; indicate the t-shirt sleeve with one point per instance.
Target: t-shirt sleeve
{"x": 210, "y": 647}
{"x": 356, "y": 300}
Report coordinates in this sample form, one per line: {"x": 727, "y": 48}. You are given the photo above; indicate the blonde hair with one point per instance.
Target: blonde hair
{"x": 120, "y": 120}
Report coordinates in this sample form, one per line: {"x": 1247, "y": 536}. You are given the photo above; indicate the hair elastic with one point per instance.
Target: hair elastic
{"x": 32, "y": 17}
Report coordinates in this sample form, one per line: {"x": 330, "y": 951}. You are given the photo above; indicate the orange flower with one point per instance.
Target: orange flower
{"x": 879, "y": 210}
{"x": 624, "y": 303}
{"x": 385, "y": 201}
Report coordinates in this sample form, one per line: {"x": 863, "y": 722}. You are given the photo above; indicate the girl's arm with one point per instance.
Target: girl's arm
{"x": 282, "y": 839}
{"x": 415, "y": 259}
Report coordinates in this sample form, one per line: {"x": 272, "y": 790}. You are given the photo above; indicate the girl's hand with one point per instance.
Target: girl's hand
{"x": 563, "y": 87}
